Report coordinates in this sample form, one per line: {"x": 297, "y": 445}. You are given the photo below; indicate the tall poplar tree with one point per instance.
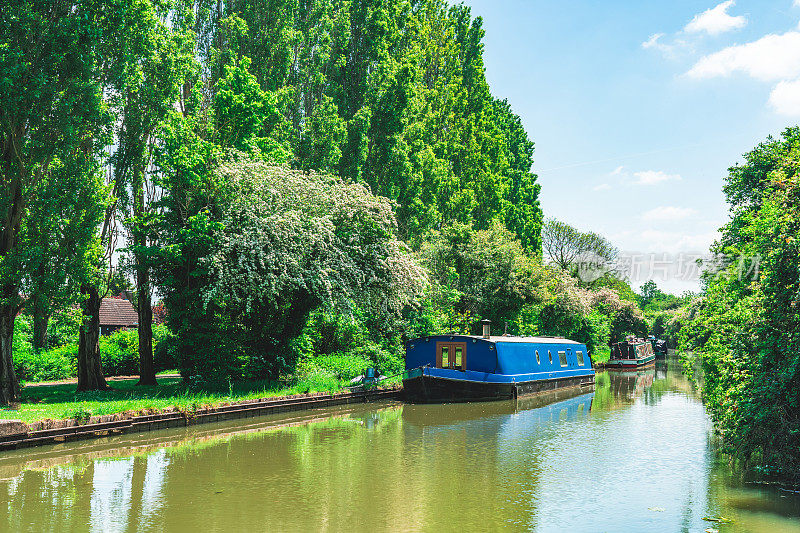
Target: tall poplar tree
{"x": 153, "y": 66}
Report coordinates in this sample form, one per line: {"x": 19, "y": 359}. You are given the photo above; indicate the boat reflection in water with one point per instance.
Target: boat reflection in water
{"x": 630, "y": 385}
{"x": 537, "y": 410}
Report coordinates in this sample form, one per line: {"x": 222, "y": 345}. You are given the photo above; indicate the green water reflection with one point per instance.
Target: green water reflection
{"x": 632, "y": 456}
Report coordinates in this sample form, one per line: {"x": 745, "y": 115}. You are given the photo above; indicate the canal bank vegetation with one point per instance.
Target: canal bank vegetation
{"x": 285, "y": 194}
{"x": 744, "y": 332}
{"x": 666, "y": 313}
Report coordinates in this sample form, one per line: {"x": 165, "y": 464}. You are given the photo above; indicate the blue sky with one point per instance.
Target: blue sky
{"x": 637, "y": 109}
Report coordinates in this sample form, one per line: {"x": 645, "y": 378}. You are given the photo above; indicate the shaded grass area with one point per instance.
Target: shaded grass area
{"x": 57, "y": 401}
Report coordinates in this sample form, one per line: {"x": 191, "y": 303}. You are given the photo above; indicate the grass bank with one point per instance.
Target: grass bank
{"x": 61, "y": 400}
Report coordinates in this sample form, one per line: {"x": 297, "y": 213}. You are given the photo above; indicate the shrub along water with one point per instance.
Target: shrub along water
{"x": 744, "y": 329}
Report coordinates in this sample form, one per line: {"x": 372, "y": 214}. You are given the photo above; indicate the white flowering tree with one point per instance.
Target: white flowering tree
{"x": 293, "y": 242}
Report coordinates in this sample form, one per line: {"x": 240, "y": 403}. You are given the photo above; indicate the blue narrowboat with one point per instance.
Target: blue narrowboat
{"x": 452, "y": 368}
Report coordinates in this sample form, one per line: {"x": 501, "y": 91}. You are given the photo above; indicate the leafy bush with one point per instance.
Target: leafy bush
{"x": 744, "y": 329}
{"x": 208, "y": 356}
{"x": 290, "y": 244}
{"x": 81, "y": 414}
{"x": 119, "y": 353}
{"x": 386, "y": 362}
{"x": 594, "y": 332}
{"x": 47, "y": 365}
{"x": 23, "y": 334}
{"x": 343, "y": 366}
{"x": 390, "y": 364}
{"x": 165, "y": 348}
{"x": 318, "y": 380}
{"x": 64, "y": 326}
{"x": 30, "y": 365}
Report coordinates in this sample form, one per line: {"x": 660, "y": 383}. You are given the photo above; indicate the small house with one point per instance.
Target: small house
{"x": 116, "y": 313}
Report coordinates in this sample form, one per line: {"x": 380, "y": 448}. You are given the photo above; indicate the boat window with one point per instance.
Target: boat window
{"x": 562, "y": 358}
{"x": 537, "y": 358}
{"x": 550, "y": 356}
{"x": 451, "y": 355}
{"x": 580, "y": 357}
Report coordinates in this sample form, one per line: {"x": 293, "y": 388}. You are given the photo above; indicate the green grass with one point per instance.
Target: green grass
{"x": 62, "y": 401}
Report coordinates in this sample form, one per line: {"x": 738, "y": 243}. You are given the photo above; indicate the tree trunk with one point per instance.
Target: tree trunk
{"x": 136, "y": 511}
{"x": 147, "y": 371}
{"x": 9, "y": 386}
{"x": 40, "y": 320}
{"x": 90, "y": 371}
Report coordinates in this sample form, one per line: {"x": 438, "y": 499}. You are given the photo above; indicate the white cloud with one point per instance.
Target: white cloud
{"x": 651, "y": 177}
{"x": 785, "y": 98}
{"x": 772, "y": 57}
{"x": 684, "y": 239}
{"x": 716, "y": 20}
{"x": 670, "y": 50}
{"x": 601, "y": 187}
{"x": 678, "y": 241}
{"x": 617, "y": 171}
{"x": 668, "y": 213}
{"x": 652, "y": 41}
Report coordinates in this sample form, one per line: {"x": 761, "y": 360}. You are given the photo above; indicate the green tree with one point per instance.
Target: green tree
{"x": 390, "y": 94}
{"x": 288, "y": 244}
{"x": 50, "y": 110}
{"x": 488, "y": 271}
{"x": 744, "y": 327}
{"x": 60, "y": 234}
{"x": 585, "y": 255}
{"x": 157, "y": 53}
{"x": 648, "y": 292}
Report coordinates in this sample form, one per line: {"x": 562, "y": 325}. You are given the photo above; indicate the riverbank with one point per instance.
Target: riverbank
{"x": 17, "y": 434}
{"x": 59, "y": 400}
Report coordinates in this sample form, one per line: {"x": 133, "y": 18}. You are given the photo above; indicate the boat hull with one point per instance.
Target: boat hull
{"x": 429, "y": 389}
{"x": 631, "y": 363}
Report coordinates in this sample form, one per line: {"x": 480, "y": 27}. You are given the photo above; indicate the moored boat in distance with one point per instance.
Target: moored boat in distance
{"x": 457, "y": 368}
{"x": 631, "y": 353}
{"x": 659, "y": 346}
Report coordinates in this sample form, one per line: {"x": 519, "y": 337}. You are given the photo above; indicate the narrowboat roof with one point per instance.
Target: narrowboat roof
{"x": 510, "y": 338}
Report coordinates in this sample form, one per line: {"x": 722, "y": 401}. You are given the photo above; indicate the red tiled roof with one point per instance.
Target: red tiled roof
{"x": 114, "y": 312}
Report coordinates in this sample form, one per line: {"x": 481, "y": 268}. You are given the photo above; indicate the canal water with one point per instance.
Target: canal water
{"x": 634, "y": 455}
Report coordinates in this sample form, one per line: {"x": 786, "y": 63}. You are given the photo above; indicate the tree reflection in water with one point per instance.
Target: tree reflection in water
{"x": 540, "y": 463}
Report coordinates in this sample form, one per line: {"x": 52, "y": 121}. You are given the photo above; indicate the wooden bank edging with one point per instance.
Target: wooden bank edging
{"x": 20, "y": 435}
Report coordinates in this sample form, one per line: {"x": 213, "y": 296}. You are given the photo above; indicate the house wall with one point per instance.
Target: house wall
{"x": 108, "y": 330}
